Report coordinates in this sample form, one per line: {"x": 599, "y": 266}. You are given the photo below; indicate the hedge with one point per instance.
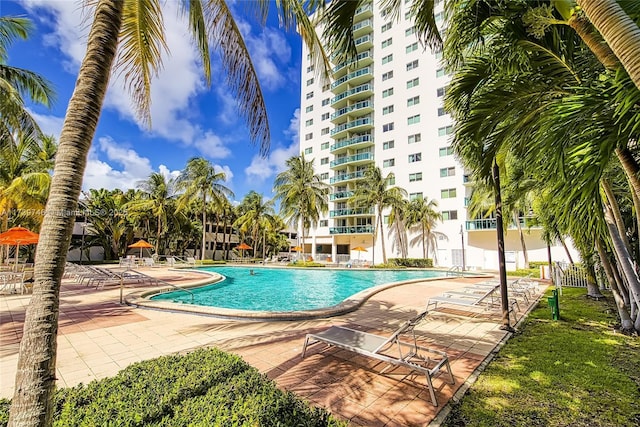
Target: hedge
{"x": 205, "y": 388}
{"x": 412, "y": 262}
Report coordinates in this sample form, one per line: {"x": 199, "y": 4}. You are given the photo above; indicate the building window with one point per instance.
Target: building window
{"x": 440, "y": 92}
{"x": 324, "y": 146}
{"x": 386, "y": 27}
{"x": 391, "y": 179}
{"x": 310, "y": 68}
{"x": 388, "y": 42}
{"x": 408, "y": 15}
{"x": 324, "y": 176}
{"x": 387, "y": 92}
{"x": 324, "y": 223}
{"x": 439, "y": 16}
{"x": 413, "y": 101}
{"x": 446, "y": 130}
{"x": 444, "y": 172}
{"x": 387, "y": 145}
{"x": 388, "y": 109}
{"x": 310, "y": 82}
{"x": 448, "y": 193}
{"x": 412, "y": 47}
{"x": 389, "y": 163}
{"x": 413, "y": 83}
{"x": 409, "y": 31}
{"x": 309, "y": 95}
{"x": 414, "y": 177}
{"x": 309, "y": 109}
{"x": 326, "y": 87}
{"x": 388, "y": 75}
{"x": 413, "y": 119}
{"x": 387, "y": 127}
{"x": 441, "y": 111}
{"x": 308, "y": 136}
{"x": 324, "y": 160}
{"x": 440, "y": 72}
{"x": 449, "y": 215}
{"x": 415, "y": 196}
{"x": 438, "y": 54}
{"x": 412, "y": 65}
{"x": 325, "y": 116}
{"x": 308, "y": 122}
{"x": 308, "y": 150}
{"x": 412, "y": 139}
{"x": 446, "y": 151}
{"x": 387, "y": 59}
{"x": 326, "y": 101}
{"x": 416, "y": 157}
{"x": 324, "y": 131}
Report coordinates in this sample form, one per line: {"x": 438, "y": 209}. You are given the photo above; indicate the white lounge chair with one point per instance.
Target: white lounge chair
{"x": 388, "y": 349}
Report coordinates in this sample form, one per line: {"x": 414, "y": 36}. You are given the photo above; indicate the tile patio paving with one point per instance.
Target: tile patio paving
{"x": 98, "y": 337}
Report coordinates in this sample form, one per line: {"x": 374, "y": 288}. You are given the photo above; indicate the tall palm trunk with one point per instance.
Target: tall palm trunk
{"x": 631, "y": 169}
{"x": 32, "y": 403}
{"x": 425, "y": 244}
{"x": 380, "y": 223}
{"x": 625, "y": 319}
{"x": 504, "y": 292}
{"x": 619, "y": 31}
{"x": 615, "y": 210}
{"x": 204, "y": 224}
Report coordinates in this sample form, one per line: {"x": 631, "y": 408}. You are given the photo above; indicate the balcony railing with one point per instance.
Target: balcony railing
{"x": 357, "y": 89}
{"x": 346, "y": 177}
{"x": 364, "y": 39}
{"x": 357, "y": 106}
{"x": 362, "y": 24}
{"x": 362, "y": 55}
{"x": 363, "y": 137}
{"x": 357, "y": 73}
{"x": 354, "y": 158}
{"x": 352, "y": 124}
{"x": 351, "y": 212}
{"x": 490, "y": 223}
{"x": 340, "y": 195}
{"x": 353, "y": 229}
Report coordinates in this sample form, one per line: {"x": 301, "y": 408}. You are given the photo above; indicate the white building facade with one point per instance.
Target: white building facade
{"x": 386, "y": 110}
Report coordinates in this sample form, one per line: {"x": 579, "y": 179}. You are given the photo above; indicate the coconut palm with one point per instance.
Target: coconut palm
{"x": 200, "y": 179}
{"x": 373, "y": 191}
{"x": 398, "y": 227}
{"x": 422, "y": 218}
{"x": 302, "y": 194}
{"x": 255, "y": 214}
{"x": 138, "y": 28}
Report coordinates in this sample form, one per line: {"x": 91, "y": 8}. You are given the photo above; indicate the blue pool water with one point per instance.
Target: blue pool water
{"x": 289, "y": 289}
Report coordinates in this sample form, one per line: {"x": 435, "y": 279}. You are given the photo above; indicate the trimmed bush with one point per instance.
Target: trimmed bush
{"x": 412, "y": 262}
{"x": 205, "y": 388}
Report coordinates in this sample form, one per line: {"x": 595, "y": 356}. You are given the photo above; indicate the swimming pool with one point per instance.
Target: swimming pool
{"x": 289, "y": 289}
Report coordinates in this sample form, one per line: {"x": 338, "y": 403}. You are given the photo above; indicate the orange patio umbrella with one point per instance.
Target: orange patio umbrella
{"x": 243, "y": 246}
{"x": 17, "y": 236}
{"x": 359, "y": 249}
{"x": 142, "y": 244}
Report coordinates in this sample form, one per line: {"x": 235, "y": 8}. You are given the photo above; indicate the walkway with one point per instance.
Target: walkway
{"x": 98, "y": 337}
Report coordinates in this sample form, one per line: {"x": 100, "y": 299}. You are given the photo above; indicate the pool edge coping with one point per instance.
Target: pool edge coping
{"x": 141, "y": 299}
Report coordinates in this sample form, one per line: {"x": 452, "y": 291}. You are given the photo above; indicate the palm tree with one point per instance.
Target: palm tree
{"x": 255, "y": 214}
{"x": 200, "y": 179}
{"x": 422, "y": 217}
{"x": 302, "y": 194}
{"x": 138, "y": 27}
{"x": 373, "y": 191}
{"x": 398, "y": 217}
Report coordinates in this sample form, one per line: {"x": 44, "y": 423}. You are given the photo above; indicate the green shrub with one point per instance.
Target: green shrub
{"x": 305, "y": 264}
{"x": 522, "y": 272}
{"x": 537, "y": 264}
{"x": 210, "y": 262}
{"x": 205, "y": 388}
{"x": 412, "y": 262}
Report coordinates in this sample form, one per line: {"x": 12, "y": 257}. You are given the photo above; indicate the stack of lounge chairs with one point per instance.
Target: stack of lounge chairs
{"x": 90, "y": 275}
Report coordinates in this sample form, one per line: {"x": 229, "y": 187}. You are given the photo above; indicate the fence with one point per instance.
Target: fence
{"x": 575, "y": 275}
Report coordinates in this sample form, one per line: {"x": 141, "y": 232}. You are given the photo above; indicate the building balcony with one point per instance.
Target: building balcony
{"x": 467, "y": 180}
{"x": 351, "y": 212}
{"x": 362, "y": 59}
{"x": 362, "y": 27}
{"x": 352, "y": 229}
{"x": 357, "y": 141}
{"x": 355, "y": 159}
{"x": 358, "y": 109}
{"x": 360, "y": 124}
{"x": 364, "y": 42}
{"x": 340, "y": 195}
{"x": 484, "y": 224}
{"x": 355, "y": 78}
{"x": 346, "y": 177}
{"x": 364, "y": 11}
{"x": 358, "y": 93}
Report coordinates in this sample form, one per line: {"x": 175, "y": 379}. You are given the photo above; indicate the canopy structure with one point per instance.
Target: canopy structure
{"x": 359, "y": 249}
{"x": 141, "y": 244}
{"x": 17, "y": 236}
{"x": 243, "y": 246}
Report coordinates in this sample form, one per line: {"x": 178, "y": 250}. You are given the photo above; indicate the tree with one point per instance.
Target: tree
{"x": 373, "y": 191}
{"x": 302, "y": 194}
{"x": 255, "y": 215}
{"x": 138, "y": 27}
{"x": 422, "y": 217}
{"x": 200, "y": 179}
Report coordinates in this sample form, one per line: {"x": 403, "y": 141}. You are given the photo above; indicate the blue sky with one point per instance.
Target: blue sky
{"x": 189, "y": 118}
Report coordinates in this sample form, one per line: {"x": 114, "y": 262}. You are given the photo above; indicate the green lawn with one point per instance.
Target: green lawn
{"x": 578, "y": 371}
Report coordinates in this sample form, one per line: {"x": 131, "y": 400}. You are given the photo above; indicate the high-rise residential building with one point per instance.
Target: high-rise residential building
{"x": 386, "y": 109}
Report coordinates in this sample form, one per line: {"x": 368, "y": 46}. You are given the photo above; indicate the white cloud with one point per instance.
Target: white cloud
{"x": 123, "y": 169}
{"x": 50, "y": 125}
{"x": 211, "y": 145}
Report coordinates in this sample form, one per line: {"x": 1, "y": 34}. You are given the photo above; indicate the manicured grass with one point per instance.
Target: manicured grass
{"x": 574, "y": 372}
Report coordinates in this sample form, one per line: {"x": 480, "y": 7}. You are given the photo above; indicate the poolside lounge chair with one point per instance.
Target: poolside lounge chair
{"x": 468, "y": 298}
{"x": 388, "y": 349}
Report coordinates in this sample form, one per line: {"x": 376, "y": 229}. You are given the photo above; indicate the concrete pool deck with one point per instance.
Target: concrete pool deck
{"x": 98, "y": 337}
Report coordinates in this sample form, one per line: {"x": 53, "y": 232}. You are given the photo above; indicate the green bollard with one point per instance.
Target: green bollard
{"x": 554, "y": 304}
